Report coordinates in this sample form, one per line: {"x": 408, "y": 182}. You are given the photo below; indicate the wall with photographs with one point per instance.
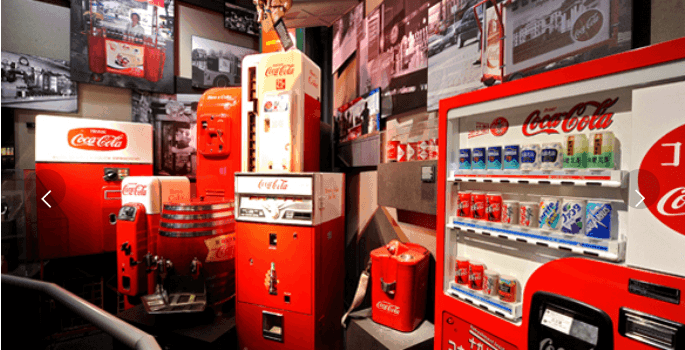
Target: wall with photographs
{"x": 206, "y": 24}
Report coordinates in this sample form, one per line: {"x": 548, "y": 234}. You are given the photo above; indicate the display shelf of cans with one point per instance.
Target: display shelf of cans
{"x": 510, "y": 311}
{"x": 570, "y": 163}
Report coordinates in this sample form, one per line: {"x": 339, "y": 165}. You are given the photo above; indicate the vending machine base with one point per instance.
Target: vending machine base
{"x": 363, "y": 333}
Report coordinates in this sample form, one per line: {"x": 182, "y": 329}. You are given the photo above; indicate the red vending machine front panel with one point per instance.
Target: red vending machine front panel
{"x": 79, "y": 167}
{"x": 132, "y": 240}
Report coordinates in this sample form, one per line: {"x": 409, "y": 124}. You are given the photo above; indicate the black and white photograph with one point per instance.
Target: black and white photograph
{"x": 345, "y": 35}
{"x": 454, "y": 50}
{"x": 240, "y": 19}
{"x": 123, "y": 43}
{"x": 403, "y": 56}
{"x": 217, "y": 64}
{"x": 358, "y": 117}
{"x": 174, "y": 121}
{"x": 31, "y": 82}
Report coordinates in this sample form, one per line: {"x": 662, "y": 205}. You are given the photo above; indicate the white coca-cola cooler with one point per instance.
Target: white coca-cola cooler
{"x": 281, "y": 112}
{"x": 80, "y": 164}
{"x": 601, "y": 266}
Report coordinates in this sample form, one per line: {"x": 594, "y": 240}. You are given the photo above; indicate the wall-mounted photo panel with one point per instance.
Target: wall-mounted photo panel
{"x": 123, "y": 43}
{"x": 240, "y": 19}
{"x": 359, "y": 117}
{"x": 345, "y": 35}
{"x": 217, "y": 64}
{"x": 174, "y": 121}
{"x": 40, "y": 83}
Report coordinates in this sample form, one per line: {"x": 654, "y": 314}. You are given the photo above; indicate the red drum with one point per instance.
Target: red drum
{"x": 204, "y": 231}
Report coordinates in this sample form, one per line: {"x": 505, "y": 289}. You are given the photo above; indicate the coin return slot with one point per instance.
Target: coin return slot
{"x": 286, "y": 298}
{"x": 126, "y": 282}
{"x": 272, "y": 326}
{"x": 112, "y": 219}
{"x": 272, "y": 240}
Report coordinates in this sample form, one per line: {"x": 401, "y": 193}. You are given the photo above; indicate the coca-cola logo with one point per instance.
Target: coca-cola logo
{"x": 499, "y": 126}
{"x": 659, "y": 179}
{"x": 134, "y": 189}
{"x": 277, "y": 184}
{"x": 97, "y": 139}
{"x": 279, "y": 69}
{"x": 587, "y": 25}
{"x": 570, "y": 121}
{"x": 387, "y": 307}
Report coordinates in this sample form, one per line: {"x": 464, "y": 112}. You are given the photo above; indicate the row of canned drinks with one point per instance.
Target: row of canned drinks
{"x": 569, "y": 215}
{"x": 477, "y": 277}
{"x": 574, "y": 153}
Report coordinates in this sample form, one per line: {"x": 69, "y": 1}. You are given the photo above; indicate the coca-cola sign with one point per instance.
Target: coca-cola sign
{"x": 277, "y": 184}
{"x": 97, "y": 139}
{"x": 575, "y": 120}
{"x": 134, "y": 189}
{"x": 660, "y": 179}
{"x": 279, "y": 70}
{"x": 587, "y": 25}
{"x": 387, "y": 307}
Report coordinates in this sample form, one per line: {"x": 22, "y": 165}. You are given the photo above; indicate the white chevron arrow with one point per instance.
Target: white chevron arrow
{"x": 641, "y": 200}
{"x": 44, "y": 201}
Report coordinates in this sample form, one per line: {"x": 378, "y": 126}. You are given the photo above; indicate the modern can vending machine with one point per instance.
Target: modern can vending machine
{"x": 290, "y": 260}
{"x": 281, "y": 112}
{"x": 561, "y": 209}
{"x": 80, "y": 165}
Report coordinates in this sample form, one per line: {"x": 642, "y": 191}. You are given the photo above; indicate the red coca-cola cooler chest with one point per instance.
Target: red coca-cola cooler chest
{"x": 80, "y": 164}
{"x": 399, "y": 275}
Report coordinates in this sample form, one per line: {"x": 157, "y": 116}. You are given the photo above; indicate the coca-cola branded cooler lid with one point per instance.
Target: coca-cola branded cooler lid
{"x": 79, "y": 140}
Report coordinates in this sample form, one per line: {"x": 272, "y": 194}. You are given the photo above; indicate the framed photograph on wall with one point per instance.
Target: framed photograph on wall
{"x": 217, "y": 64}
{"x": 32, "y": 82}
{"x": 174, "y": 121}
{"x": 241, "y": 19}
{"x": 123, "y": 43}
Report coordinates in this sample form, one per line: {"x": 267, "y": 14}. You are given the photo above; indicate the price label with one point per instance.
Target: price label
{"x": 557, "y": 321}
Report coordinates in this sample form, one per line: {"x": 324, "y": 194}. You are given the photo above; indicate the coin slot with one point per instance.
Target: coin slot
{"x": 112, "y": 219}
{"x": 272, "y": 240}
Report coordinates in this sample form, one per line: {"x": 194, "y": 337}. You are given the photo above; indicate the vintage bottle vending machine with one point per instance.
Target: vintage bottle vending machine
{"x": 80, "y": 164}
{"x": 138, "y": 227}
{"x": 281, "y": 112}
{"x": 561, "y": 201}
{"x": 218, "y": 142}
{"x": 290, "y": 260}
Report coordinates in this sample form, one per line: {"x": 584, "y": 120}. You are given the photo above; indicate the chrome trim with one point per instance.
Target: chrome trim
{"x": 198, "y": 216}
{"x": 105, "y": 192}
{"x": 197, "y": 207}
{"x": 195, "y": 224}
{"x": 182, "y": 234}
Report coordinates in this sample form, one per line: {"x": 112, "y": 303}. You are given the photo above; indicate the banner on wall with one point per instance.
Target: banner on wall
{"x": 174, "y": 121}
{"x": 241, "y": 19}
{"x": 123, "y": 43}
{"x": 216, "y": 64}
{"x": 345, "y": 35}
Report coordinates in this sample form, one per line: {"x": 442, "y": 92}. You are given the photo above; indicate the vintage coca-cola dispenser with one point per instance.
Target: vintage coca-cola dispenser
{"x": 138, "y": 227}
{"x": 281, "y": 112}
{"x": 399, "y": 278}
{"x": 218, "y": 142}
{"x": 290, "y": 260}
{"x": 80, "y": 164}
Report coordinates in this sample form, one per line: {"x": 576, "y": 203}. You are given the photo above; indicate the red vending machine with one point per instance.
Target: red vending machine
{"x": 80, "y": 164}
{"x": 290, "y": 260}
{"x": 218, "y": 142}
{"x": 561, "y": 209}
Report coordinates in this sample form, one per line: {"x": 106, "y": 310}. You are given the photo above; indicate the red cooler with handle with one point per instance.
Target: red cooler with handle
{"x": 399, "y": 275}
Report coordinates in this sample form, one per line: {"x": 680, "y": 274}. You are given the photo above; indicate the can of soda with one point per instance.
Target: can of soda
{"x": 494, "y": 161}
{"x": 478, "y": 158}
{"x": 402, "y": 152}
{"x": 490, "y": 282}
{"x": 508, "y": 288}
{"x": 528, "y": 214}
{"x": 573, "y": 216}
{"x": 465, "y": 158}
{"x": 550, "y": 213}
{"x": 464, "y": 205}
{"x": 530, "y": 157}
{"x": 550, "y": 156}
{"x": 461, "y": 270}
{"x": 598, "y": 219}
{"x": 476, "y": 269}
{"x": 478, "y": 204}
{"x": 511, "y": 157}
{"x": 391, "y": 150}
{"x": 494, "y": 206}
{"x": 510, "y": 212}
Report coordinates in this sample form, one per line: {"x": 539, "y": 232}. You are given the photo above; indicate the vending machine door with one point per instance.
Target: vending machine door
{"x": 558, "y": 322}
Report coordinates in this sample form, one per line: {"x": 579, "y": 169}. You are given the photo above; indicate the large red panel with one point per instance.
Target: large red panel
{"x": 298, "y": 329}
{"x": 292, "y": 256}
{"x": 330, "y": 283}
{"x": 459, "y": 335}
{"x": 312, "y": 132}
{"x": 132, "y": 246}
{"x": 77, "y": 220}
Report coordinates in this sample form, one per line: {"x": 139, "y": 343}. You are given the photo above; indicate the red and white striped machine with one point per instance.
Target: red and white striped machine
{"x": 618, "y": 283}
{"x": 281, "y": 112}
{"x": 80, "y": 164}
